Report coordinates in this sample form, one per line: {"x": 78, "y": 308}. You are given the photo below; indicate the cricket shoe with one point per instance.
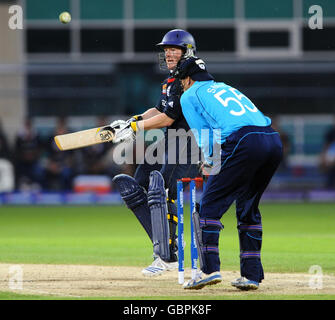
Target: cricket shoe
{"x": 201, "y": 280}
{"x": 159, "y": 266}
{"x": 245, "y": 284}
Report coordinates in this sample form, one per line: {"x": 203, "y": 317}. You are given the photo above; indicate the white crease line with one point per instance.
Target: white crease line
{"x": 24, "y": 291}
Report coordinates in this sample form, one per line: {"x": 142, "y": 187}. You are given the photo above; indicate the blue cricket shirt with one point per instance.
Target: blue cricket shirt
{"x": 214, "y": 110}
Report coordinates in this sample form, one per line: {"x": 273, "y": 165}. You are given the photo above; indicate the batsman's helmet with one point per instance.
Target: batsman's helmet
{"x": 179, "y": 38}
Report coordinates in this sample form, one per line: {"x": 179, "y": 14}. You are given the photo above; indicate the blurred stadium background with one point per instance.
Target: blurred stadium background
{"x": 104, "y": 65}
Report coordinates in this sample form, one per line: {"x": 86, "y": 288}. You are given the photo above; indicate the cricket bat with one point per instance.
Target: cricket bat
{"x": 84, "y": 138}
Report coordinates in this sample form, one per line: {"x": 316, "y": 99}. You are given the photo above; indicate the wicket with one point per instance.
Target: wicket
{"x": 181, "y": 240}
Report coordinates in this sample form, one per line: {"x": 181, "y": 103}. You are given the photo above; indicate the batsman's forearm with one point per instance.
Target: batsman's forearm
{"x": 150, "y": 113}
{"x": 159, "y": 121}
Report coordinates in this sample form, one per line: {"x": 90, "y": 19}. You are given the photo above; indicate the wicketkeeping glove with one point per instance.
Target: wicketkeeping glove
{"x": 204, "y": 169}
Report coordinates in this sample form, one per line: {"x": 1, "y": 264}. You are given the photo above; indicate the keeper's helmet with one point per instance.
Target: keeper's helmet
{"x": 194, "y": 68}
{"x": 179, "y": 38}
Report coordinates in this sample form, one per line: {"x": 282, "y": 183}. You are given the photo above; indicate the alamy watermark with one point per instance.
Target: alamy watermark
{"x": 15, "y": 21}
{"x": 173, "y": 147}
{"x": 15, "y": 279}
{"x": 316, "y": 278}
{"x": 316, "y": 20}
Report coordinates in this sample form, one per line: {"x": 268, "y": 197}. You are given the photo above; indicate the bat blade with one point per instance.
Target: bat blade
{"x": 84, "y": 138}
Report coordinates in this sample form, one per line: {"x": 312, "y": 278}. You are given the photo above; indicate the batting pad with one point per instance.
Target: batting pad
{"x": 158, "y": 209}
{"x": 136, "y": 200}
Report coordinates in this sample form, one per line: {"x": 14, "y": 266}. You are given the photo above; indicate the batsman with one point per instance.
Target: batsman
{"x": 151, "y": 193}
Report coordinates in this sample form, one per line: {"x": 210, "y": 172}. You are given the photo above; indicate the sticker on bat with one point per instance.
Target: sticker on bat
{"x": 105, "y": 134}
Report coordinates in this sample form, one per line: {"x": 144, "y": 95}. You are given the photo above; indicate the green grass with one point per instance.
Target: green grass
{"x": 72, "y": 235}
{"x": 295, "y": 237}
{"x": 16, "y": 296}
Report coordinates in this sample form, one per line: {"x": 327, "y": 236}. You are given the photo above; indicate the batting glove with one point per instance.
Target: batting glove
{"x": 123, "y": 131}
{"x": 118, "y": 124}
{"x": 135, "y": 118}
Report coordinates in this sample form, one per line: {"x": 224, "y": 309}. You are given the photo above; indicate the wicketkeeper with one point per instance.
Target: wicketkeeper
{"x": 250, "y": 152}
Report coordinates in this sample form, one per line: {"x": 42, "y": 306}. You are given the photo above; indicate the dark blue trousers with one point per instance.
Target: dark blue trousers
{"x": 249, "y": 159}
{"x": 170, "y": 172}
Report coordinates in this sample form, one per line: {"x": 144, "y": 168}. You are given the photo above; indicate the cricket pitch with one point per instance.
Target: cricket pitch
{"x": 106, "y": 281}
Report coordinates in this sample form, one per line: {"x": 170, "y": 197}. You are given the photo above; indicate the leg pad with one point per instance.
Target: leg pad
{"x": 158, "y": 209}
{"x": 136, "y": 200}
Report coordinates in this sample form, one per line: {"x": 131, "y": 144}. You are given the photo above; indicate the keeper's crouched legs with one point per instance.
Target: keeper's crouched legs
{"x": 207, "y": 233}
{"x": 250, "y": 251}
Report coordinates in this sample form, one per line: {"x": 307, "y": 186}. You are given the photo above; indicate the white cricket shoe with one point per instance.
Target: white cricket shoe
{"x": 159, "y": 266}
{"x": 245, "y": 284}
{"x": 202, "y": 279}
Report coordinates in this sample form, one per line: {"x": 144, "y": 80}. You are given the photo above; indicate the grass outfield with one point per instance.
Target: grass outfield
{"x": 295, "y": 237}
{"x": 15, "y": 296}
